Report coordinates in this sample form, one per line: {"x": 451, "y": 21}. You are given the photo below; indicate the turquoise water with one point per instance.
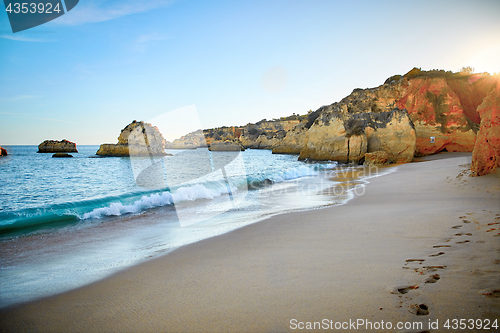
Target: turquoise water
{"x": 67, "y": 222}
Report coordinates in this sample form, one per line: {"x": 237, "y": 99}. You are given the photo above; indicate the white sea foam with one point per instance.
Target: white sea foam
{"x": 188, "y": 193}
{"x": 156, "y": 200}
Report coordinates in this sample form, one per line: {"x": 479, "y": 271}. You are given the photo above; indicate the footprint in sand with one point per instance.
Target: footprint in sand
{"x": 493, "y": 293}
{"x": 437, "y": 246}
{"x": 419, "y": 309}
{"x": 436, "y": 254}
{"x": 433, "y": 278}
{"x": 419, "y": 261}
{"x": 462, "y": 242}
{"x": 404, "y": 289}
{"x": 466, "y": 221}
{"x": 456, "y": 227}
{"x": 435, "y": 267}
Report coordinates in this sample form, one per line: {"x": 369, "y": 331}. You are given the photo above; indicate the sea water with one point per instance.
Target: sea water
{"x": 65, "y": 222}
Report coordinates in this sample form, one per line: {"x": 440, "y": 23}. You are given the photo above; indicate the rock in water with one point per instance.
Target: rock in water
{"x": 136, "y": 139}
{"x": 62, "y": 155}
{"x": 3, "y": 152}
{"x": 53, "y": 146}
{"x": 486, "y": 154}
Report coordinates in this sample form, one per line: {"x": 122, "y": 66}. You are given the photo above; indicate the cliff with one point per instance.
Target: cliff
{"x": 261, "y": 135}
{"x": 416, "y": 114}
{"x": 53, "y": 146}
{"x": 226, "y": 146}
{"x": 486, "y": 154}
{"x": 136, "y": 139}
{"x": 3, "y": 152}
{"x": 220, "y": 138}
{"x": 340, "y": 136}
{"x": 189, "y": 141}
{"x": 267, "y": 134}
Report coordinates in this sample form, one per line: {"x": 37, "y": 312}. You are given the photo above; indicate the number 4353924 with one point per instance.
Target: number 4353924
{"x": 32, "y": 8}
{"x": 456, "y": 324}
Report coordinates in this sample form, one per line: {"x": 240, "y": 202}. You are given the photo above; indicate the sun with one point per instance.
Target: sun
{"x": 486, "y": 60}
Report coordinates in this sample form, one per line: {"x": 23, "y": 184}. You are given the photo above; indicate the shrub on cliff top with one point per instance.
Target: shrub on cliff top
{"x": 464, "y": 73}
{"x": 467, "y": 70}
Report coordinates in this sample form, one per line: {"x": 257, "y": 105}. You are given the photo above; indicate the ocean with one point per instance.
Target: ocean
{"x": 66, "y": 222}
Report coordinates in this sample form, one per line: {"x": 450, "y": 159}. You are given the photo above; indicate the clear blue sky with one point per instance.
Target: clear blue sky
{"x": 87, "y": 74}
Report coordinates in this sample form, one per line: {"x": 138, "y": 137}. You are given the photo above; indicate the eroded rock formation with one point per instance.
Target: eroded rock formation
{"x": 53, "y": 146}
{"x": 226, "y": 146}
{"x": 486, "y": 154}
{"x": 189, "y": 141}
{"x": 3, "y": 152}
{"x": 340, "y": 136}
{"x": 136, "y": 139}
{"x": 419, "y": 113}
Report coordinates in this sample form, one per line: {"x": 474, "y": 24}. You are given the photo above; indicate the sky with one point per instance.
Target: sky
{"x": 87, "y": 74}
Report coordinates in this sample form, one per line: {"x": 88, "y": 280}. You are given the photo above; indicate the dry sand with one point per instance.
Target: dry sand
{"x": 339, "y": 263}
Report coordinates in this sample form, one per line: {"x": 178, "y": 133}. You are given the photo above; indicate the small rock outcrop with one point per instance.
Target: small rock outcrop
{"x": 486, "y": 154}
{"x": 3, "y": 152}
{"x": 61, "y": 155}
{"x": 53, "y": 146}
{"x": 136, "y": 139}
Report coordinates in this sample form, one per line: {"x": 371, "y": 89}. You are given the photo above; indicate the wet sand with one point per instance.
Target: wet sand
{"x": 368, "y": 259}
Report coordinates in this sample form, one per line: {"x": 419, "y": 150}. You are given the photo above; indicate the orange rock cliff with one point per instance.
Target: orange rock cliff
{"x": 416, "y": 114}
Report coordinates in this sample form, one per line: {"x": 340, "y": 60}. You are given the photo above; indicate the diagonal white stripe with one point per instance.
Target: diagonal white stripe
{"x": 64, "y": 6}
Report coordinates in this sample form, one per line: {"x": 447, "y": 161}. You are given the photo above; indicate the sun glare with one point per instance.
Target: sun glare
{"x": 486, "y": 60}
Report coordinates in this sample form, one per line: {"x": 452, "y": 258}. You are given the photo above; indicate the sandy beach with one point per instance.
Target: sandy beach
{"x": 371, "y": 260}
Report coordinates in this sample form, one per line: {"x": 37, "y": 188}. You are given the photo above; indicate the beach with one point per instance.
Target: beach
{"x": 364, "y": 261}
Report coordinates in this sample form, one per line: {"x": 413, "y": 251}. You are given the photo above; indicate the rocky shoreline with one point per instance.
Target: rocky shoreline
{"x": 417, "y": 114}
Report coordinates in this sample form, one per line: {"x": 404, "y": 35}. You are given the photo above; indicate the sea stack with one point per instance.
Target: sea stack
{"x": 136, "y": 139}
{"x": 53, "y": 146}
{"x": 3, "y": 152}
